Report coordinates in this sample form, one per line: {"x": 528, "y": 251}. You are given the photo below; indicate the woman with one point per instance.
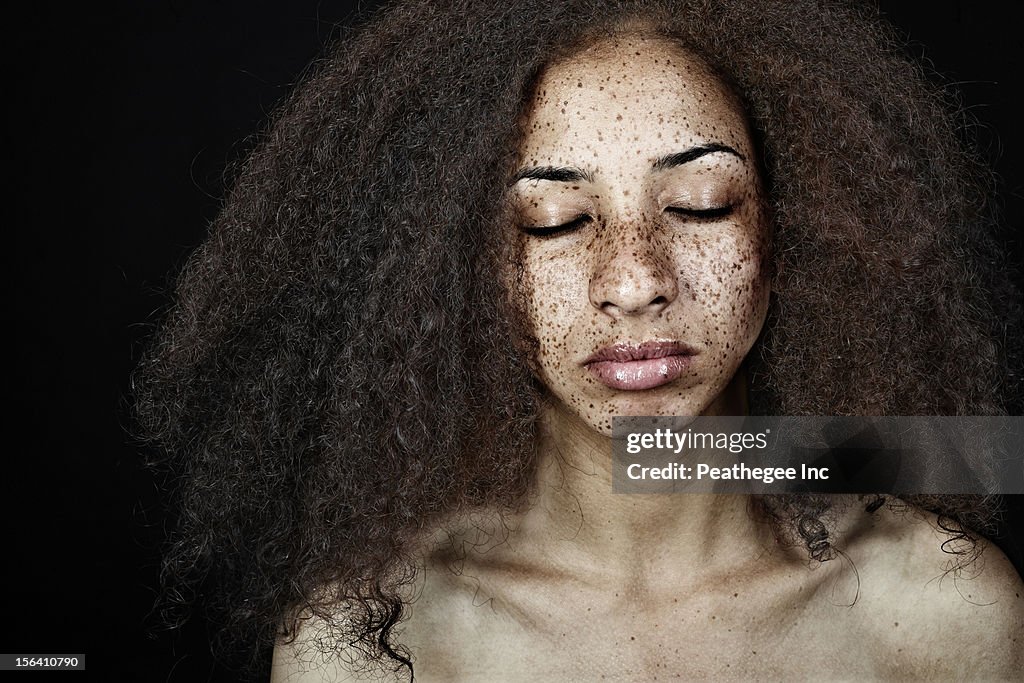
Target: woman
{"x": 477, "y": 233}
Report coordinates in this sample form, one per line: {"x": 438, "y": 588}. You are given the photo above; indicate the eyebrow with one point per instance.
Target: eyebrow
{"x": 557, "y": 174}
{"x": 570, "y": 174}
{"x": 679, "y": 158}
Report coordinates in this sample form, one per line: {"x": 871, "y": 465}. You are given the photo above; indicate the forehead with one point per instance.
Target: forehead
{"x": 638, "y": 90}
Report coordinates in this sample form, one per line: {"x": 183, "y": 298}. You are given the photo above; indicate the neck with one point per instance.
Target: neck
{"x": 575, "y": 518}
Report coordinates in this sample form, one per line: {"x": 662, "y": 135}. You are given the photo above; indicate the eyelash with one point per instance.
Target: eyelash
{"x": 702, "y": 214}
{"x": 551, "y": 230}
{"x": 693, "y": 214}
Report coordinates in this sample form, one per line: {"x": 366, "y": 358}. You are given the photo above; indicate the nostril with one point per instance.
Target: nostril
{"x": 658, "y": 303}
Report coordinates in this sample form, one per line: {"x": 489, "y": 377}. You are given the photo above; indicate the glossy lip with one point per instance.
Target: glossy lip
{"x": 636, "y": 367}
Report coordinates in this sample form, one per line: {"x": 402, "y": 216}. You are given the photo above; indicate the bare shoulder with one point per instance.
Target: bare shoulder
{"x": 303, "y": 659}
{"x": 314, "y": 657}
{"x": 433, "y": 621}
{"x": 940, "y": 616}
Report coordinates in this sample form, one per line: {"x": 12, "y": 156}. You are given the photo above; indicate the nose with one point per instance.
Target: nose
{"x": 634, "y": 272}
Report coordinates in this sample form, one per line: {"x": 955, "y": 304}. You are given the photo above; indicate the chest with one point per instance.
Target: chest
{"x": 567, "y": 632}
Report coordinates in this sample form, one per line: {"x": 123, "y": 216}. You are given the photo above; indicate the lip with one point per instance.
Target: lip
{"x": 636, "y": 367}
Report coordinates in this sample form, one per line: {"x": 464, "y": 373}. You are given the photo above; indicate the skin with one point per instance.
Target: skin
{"x": 582, "y": 584}
{"x": 657, "y": 252}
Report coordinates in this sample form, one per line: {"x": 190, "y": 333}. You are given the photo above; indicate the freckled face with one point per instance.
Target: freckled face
{"x": 644, "y": 231}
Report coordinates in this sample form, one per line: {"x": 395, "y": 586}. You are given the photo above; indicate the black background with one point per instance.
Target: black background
{"x": 121, "y": 122}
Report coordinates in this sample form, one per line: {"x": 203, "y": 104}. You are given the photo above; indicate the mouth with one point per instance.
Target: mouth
{"x": 636, "y": 367}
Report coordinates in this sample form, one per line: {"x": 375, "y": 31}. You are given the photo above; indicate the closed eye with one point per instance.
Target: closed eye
{"x": 552, "y": 230}
{"x": 701, "y": 214}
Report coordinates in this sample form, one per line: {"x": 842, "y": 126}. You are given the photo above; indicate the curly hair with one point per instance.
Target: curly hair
{"x": 336, "y": 371}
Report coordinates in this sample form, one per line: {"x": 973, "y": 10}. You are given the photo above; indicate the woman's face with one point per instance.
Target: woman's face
{"x": 645, "y": 232}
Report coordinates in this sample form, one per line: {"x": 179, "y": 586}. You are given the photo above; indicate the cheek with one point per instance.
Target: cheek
{"x": 552, "y": 285}
{"x": 743, "y": 287}
{"x": 734, "y": 288}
